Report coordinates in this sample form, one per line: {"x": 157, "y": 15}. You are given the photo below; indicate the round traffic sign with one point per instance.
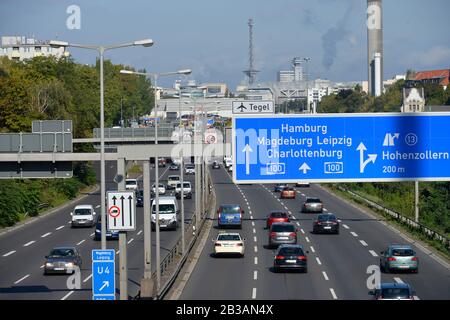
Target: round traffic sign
{"x": 114, "y": 211}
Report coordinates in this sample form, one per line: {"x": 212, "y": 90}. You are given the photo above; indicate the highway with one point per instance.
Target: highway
{"x": 22, "y": 251}
{"x": 337, "y": 264}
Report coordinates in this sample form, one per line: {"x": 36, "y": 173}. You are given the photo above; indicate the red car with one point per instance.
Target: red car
{"x": 288, "y": 193}
{"x": 276, "y": 216}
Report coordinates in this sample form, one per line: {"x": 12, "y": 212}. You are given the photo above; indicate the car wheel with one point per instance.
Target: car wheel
{"x": 337, "y": 232}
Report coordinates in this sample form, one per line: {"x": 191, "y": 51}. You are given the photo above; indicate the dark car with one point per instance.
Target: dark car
{"x": 229, "y": 215}
{"x": 276, "y": 216}
{"x": 162, "y": 162}
{"x": 326, "y": 223}
{"x": 139, "y": 198}
{"x": 282, "y": 233}
{"x": 215, "y": 165}
{"x": 62, "y": 260}
{"x": 279, "y": 187}
{"x": 290, "y": 257}
{"x": 312, "y": 205}
{"x": 110, "y": 235}
{"x": 393, "y": 291}
{"x": 174, "y": 166}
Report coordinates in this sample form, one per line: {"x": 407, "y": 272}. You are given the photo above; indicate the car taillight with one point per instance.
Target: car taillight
{"x": 273, "y": 234}
{"x": 303, "y": 258}
{"x": 391, "y": 259}
{"x": 318, "y": 223}
{"x": 240, "y": 244}
{"x": 279, "y": 257}
{"x": 217, "y": 245}
{"x": 292, "y": 234}
{"x": 335, "y": 223}
{"x": 415, "y": 259}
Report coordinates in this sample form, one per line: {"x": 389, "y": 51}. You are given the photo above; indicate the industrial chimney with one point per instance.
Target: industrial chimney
{"x": 375, "y": 47}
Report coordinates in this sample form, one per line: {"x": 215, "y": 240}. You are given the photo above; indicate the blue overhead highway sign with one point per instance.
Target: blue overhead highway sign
{"x": 341, "y": 147}
{"x": 103, "y": 275}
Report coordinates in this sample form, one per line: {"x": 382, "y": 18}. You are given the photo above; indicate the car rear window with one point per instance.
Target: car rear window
{"x": 279, "y": 215}
{"x": 394, "y": 293}
{"x": 229, "y": 237}
{"x": 327, "y": 217}
{"x": 283, "y": 228}
{"x": 164, "y": 208}
{"x": 174, "y": 178}
{"x": 231, "y": 209}
{"x": 82, "y": 212}
{"x": 62, "y": 252}
{"x": 131, "y": 182}
{"x": 291, "y": 251}
{"x": 190, "y": 166}
{"x": 402, "y": 252}
{"x": 313, "y": 200}
{"x": 288, "y": 189}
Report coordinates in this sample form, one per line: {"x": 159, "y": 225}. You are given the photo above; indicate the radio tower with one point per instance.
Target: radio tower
{"x": 251, "y": 72}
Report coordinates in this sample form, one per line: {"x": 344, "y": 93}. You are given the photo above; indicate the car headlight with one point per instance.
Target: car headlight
{"x": 49, "y": 264}
{"x": 69, "y": 265}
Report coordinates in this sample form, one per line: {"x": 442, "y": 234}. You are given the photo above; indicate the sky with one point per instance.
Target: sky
{"x": 211, "y": 37}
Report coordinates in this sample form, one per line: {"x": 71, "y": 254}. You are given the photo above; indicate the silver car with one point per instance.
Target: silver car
{"x": 282, "y": 233}
{"x": 399, "y": 257}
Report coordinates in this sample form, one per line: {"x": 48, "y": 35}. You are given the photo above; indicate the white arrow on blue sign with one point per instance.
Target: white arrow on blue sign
{"x": 341, "y": 147}
{"x": 103, "y": 275}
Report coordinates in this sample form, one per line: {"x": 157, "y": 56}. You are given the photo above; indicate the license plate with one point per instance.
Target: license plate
{"x": 327, "y": 227}
{"x": 291, "y": 261}
{"x": 404, "y": 267}
{"x": 163, "y": 225}
{"x": 283, "y": 238}
{"x": 58, "y": 269}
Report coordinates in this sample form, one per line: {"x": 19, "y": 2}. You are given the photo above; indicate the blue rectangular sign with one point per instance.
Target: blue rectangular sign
{"x": 341, "y": 147}
{"x": 103, "y": 275}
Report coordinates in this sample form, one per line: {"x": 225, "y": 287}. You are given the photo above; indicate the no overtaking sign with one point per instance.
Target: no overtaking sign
{"x": 121, "y": 211}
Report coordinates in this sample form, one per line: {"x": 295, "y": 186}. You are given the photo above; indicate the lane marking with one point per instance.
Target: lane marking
{"x": 303, "y": 231}
{"x": 21, "y": 279}
{"x": 131, "y": 240}
{"x": 363, "y": 243}
{"x": 256, "y": 249}
{"x": 312, "y": 249}
{"x": 318, "y": 261}
{"x": 97, "y": 206}
{"x": 251, "y": 217}
{"x": 92, "y": 234}
{"x": 87, "y": 279}
{"x": 253, "y": 223}
{"x": 255, "y": 275}
{"x": 325, "y": 209}
{"x": 254, "y": 239}
{"x": 254, "y": 230}
{"x": 140, "y": 231}
{"x": 67, "y": 295}
{"x": 373, "y": 253}
{"x": 333, "y": 293}
{"x": 325, "y": 275}
{"x": 41, "y": 267}
{"x": 345, "y": 226}
{"x": 298, "y": 223}
{"x": 47, "y": 234}
{"x": 59, "y": 228}
{"x": 256, "y": 260}
{"x": 118, "y": 251}
{"x": 80, "y": 242}
{"x": 254, "y": 293}
{"x": 398, "y": 280}
{"x": 9, "y": 253}
{"x": 354, "y": 234}
{"x": 29, "y": 243}
{"x": 307, "y": 239}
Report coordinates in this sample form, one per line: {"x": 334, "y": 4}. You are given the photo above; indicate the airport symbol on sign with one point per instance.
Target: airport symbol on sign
{"x": 103, "y": 275}
{"x": 253, "y": 107}
{"x": 121, "y": 210}
{"x": 333, "y": 148}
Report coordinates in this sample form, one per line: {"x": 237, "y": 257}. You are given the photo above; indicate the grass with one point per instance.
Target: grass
{"x": 135, "y": 169}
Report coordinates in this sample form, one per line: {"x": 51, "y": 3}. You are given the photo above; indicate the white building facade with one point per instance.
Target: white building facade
{"x": 21, "y": 48}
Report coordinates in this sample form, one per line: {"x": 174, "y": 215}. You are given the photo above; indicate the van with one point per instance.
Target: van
{"x": 131, "y": 184}
{"x": 83, "y": 216}
{"x": 168, "y": 213}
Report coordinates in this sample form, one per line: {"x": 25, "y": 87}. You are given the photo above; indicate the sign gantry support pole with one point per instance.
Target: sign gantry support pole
{"x": 147, "y": 282}
{"x": 123, "y": 268}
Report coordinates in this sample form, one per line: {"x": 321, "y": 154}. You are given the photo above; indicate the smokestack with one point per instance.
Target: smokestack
{"x": 374, "y": 44}
{"x": 378, "y": 82}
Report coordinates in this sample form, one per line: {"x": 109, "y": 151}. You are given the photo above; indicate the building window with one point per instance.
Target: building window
{"x": 37, "y": 49}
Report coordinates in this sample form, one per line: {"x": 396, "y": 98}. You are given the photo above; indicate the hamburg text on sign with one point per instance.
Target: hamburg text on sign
{"x": 341, "y": 147}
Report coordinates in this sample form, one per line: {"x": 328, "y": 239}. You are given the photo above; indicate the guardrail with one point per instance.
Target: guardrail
{"x": 401, "y": 218}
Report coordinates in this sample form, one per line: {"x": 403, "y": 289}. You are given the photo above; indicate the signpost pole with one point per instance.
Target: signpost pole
{"x": 416, "y": 200}
{"x": 182, "y": 203}
{"x": 122, "y": 238}
{"x": 158, "y": 243}
{"x": 146, "y": 282}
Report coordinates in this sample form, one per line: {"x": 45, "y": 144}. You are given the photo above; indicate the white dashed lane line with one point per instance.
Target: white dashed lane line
{"x": 97, "y": 206}
{"x": 333, "y": 293}
{"x": 92, "y": 234}
{"x": 41, "y": 267}
{"x": 140, "y": 231}
{"x": 80, "y": 242}
{"x": 354, "y": 234}
{"x": 255, "y": 275}
{"x": 253, "y": 223}
{"x": 325, "y": 275}
{"x": 324, "y": 209}
{"x": 373, "y": 253}
{"x": 307, "y": 239}
{"x": 318, "y": 261}
{"x": 59, "y": 228}
{"x": 254, "y": 230}
{"x": 345, "y": 226}
{"x": 298, "y": 224}
{"x": 254, "y": 293}
{"x": 21, "y": 279}
{"x": 398, "y": 280}
{"x": 363, "y": 243}
{"x": 312, "y": 249}
{"x": 45, "y": 235}
{"x": 29, "y": 243}
{"x": 303, "y": 231}
{"x": 67, "y": 295}
{"x": 256, "y": 260}
{"x": 9, "y": 253}
{"x": 255, "y": 239}
{"x": 131, "y": 240}
{"x": 256, "y": 249}
{"x": 87, "y": 279}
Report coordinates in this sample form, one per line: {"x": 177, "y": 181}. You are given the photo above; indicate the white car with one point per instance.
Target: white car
{"x": 187, "y": 190}
{"x": 302, "y": 184}
{"x": 228, "y": 163}
{"x": 229, "y": 243}
{"x": 168, "y": 213}
{"x": 172, "y": 181}
{"x": 161, "y": 189}
{"x": 230, "y": 168}
{"x": 189, "y": 169}
{"x": 131, "y": 184}
{"x": 83, "y": 216}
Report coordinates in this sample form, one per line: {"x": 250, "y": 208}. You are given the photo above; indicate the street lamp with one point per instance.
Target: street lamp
{"x": 147, "y": 227}
{"x": 122, "y": 236}
{"x": 101, "y": 50}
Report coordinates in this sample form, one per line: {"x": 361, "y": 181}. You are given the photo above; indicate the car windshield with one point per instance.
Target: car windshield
{"x": 190, "y": 166}
{"x": 283, "y": 228}
{"x": 402, "y": 252}
{"x": 288, "y": 189}
{"x": 394, "y": 293}
{"x": 230, "y": 209}
{"x": 62, "y": 253}
{"x": 326, "y": 217}
{"x": 313, "y": 200}
{"x": 291, "y": 251}
{"x": 174, "y": 178}
{"x": 160, "y": 186}
{"x": 229, "y": 237}
{"x": 140, "y": 193}
{"x": 185, "y": 185}
{"x": 279, "y": 215}
{"x": 82, "y": 212}
{"x": 165, "y": 208}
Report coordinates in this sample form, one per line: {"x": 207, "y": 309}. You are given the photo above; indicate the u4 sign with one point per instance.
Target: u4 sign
{"x": 341, "y": 148}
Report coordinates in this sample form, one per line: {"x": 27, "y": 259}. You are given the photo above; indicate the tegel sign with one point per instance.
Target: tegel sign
{"x": 341, "y": 148}
{"x": 253, "y": 107}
